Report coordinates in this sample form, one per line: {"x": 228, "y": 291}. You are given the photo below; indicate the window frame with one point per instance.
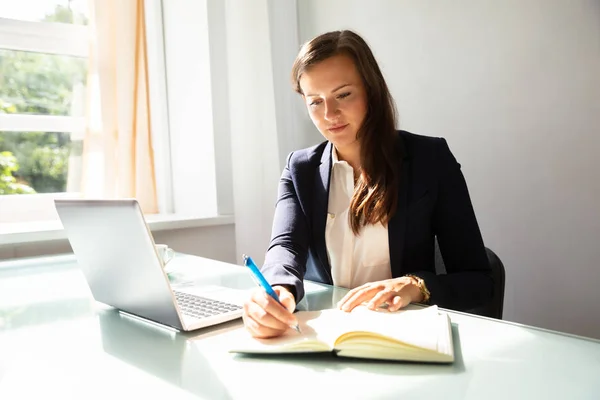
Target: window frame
{"x": 44, "y": 37}
{"x": 41, "y": 123}
{"x": 72, "y": 40}
{"x": 200, "y": 194}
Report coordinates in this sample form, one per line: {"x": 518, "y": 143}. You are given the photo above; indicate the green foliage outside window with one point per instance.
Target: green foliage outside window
{"x": 8, "y": 183}
{"x": 34, "y": 83}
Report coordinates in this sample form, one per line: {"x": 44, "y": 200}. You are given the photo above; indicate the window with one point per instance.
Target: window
{"x": 43, "y": 67}
{"x": 44, "y": 47}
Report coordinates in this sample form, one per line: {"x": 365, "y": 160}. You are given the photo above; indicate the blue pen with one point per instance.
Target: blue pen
{"x": 263, "y": 282}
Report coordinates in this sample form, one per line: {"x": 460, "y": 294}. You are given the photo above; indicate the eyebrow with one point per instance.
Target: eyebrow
{"x": 334, "y": 90}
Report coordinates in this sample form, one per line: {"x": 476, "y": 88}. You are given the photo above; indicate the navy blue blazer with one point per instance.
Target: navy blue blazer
{"x": 433, "y": 200}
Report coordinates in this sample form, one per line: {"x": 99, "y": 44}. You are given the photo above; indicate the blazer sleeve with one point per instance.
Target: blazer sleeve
{"x": 285, "y": 260}
{"x": 468, "y": 281}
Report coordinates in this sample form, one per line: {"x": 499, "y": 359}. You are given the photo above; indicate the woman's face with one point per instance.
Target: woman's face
{"x": 336, "y": 99}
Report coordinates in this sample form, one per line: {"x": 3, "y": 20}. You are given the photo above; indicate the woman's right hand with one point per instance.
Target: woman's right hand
{"x": 264, "y": 317}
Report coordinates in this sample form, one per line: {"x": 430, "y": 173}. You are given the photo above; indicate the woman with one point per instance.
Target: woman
{"x": 362, "y": 209}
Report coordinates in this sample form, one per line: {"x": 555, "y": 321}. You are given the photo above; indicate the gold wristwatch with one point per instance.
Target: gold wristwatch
{"x": 422, "y": 287}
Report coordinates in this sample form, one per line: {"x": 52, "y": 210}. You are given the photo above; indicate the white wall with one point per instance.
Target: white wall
{"x": 265, "y": 115}
{"x": 198, "y": 114}
{"x": 254, "y": 140}
{"x": 515, "y": 88}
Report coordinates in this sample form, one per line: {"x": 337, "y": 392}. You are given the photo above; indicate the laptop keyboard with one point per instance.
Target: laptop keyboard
{"x": 201, "y": 307}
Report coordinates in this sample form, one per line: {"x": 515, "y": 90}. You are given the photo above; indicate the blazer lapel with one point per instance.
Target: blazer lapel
{"x": 320, "y": 203}
{"x": 397, "y": 224}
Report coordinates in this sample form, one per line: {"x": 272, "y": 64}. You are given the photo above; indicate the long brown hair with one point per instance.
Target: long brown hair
{"x": 376, "y": 193}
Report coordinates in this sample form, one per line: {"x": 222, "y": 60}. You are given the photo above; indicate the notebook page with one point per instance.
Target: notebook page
{"x": 445, "y": 343}
{"x": 416, "y": 327}
{"x": 319, "y": 331}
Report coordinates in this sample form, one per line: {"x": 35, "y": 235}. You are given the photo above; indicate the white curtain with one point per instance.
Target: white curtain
{"x": 118, "y": 160}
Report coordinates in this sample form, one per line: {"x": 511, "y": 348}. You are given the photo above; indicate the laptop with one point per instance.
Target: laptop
{"x": 117, "y": 255}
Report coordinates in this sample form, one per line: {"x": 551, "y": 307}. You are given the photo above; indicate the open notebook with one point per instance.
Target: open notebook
{"x": 414, "y": 334}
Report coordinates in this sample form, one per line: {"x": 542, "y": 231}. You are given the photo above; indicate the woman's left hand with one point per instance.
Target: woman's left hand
{"x": 396, "y": 293}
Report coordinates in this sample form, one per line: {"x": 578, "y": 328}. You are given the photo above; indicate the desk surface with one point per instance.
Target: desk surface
{"x": 56, "y": 342}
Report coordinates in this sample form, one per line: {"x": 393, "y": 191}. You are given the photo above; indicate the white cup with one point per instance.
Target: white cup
{"x": 165, "y": 253}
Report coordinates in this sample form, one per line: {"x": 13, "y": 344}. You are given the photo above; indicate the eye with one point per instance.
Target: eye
{"x": 315, "y": 103}
{"x": 344, "y": 95}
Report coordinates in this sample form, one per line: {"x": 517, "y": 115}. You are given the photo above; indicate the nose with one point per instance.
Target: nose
{"x": 331, "y": 109}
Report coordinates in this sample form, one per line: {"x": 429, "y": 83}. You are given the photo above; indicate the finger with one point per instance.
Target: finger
{"x": 359, "y": 297}
{"x": 286, "y": 298}
{"x": 289, "y": 302}
{"x": 380, "y": 298}
{"x": 352, "y": 293}
{"x": 273, "y": 308}
{"x": 259, "y": 331}
{"x": 263, "y": 317}
{"x": 348, "y": 296}
{"x": 398, "y": 302}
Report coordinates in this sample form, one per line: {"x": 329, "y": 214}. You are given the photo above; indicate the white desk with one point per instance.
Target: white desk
{"x": 56, "y": 342}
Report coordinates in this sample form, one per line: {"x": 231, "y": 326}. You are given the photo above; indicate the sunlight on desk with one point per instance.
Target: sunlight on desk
{"x": 62, "y": 376}
{"x": 56, "y": 335}
{"x": 310, "y": 287}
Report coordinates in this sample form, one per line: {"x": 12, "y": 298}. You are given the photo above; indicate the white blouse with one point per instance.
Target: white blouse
{"x": 354, "y": 260}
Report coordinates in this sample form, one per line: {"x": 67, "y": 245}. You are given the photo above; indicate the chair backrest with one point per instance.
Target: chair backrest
{"x": 495, "y": 308}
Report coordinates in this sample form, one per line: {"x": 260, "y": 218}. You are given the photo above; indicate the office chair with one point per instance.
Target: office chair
{"x": 495, "y": 308}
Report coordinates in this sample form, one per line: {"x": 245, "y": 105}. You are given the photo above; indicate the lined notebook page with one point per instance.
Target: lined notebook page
{"x": 445, "y": 344}
{"x": 420, "y": 327}
{"x": 316, "y": 326}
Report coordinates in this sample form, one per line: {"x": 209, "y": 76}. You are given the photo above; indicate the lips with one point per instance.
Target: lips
{"x": 337, "y": 128}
